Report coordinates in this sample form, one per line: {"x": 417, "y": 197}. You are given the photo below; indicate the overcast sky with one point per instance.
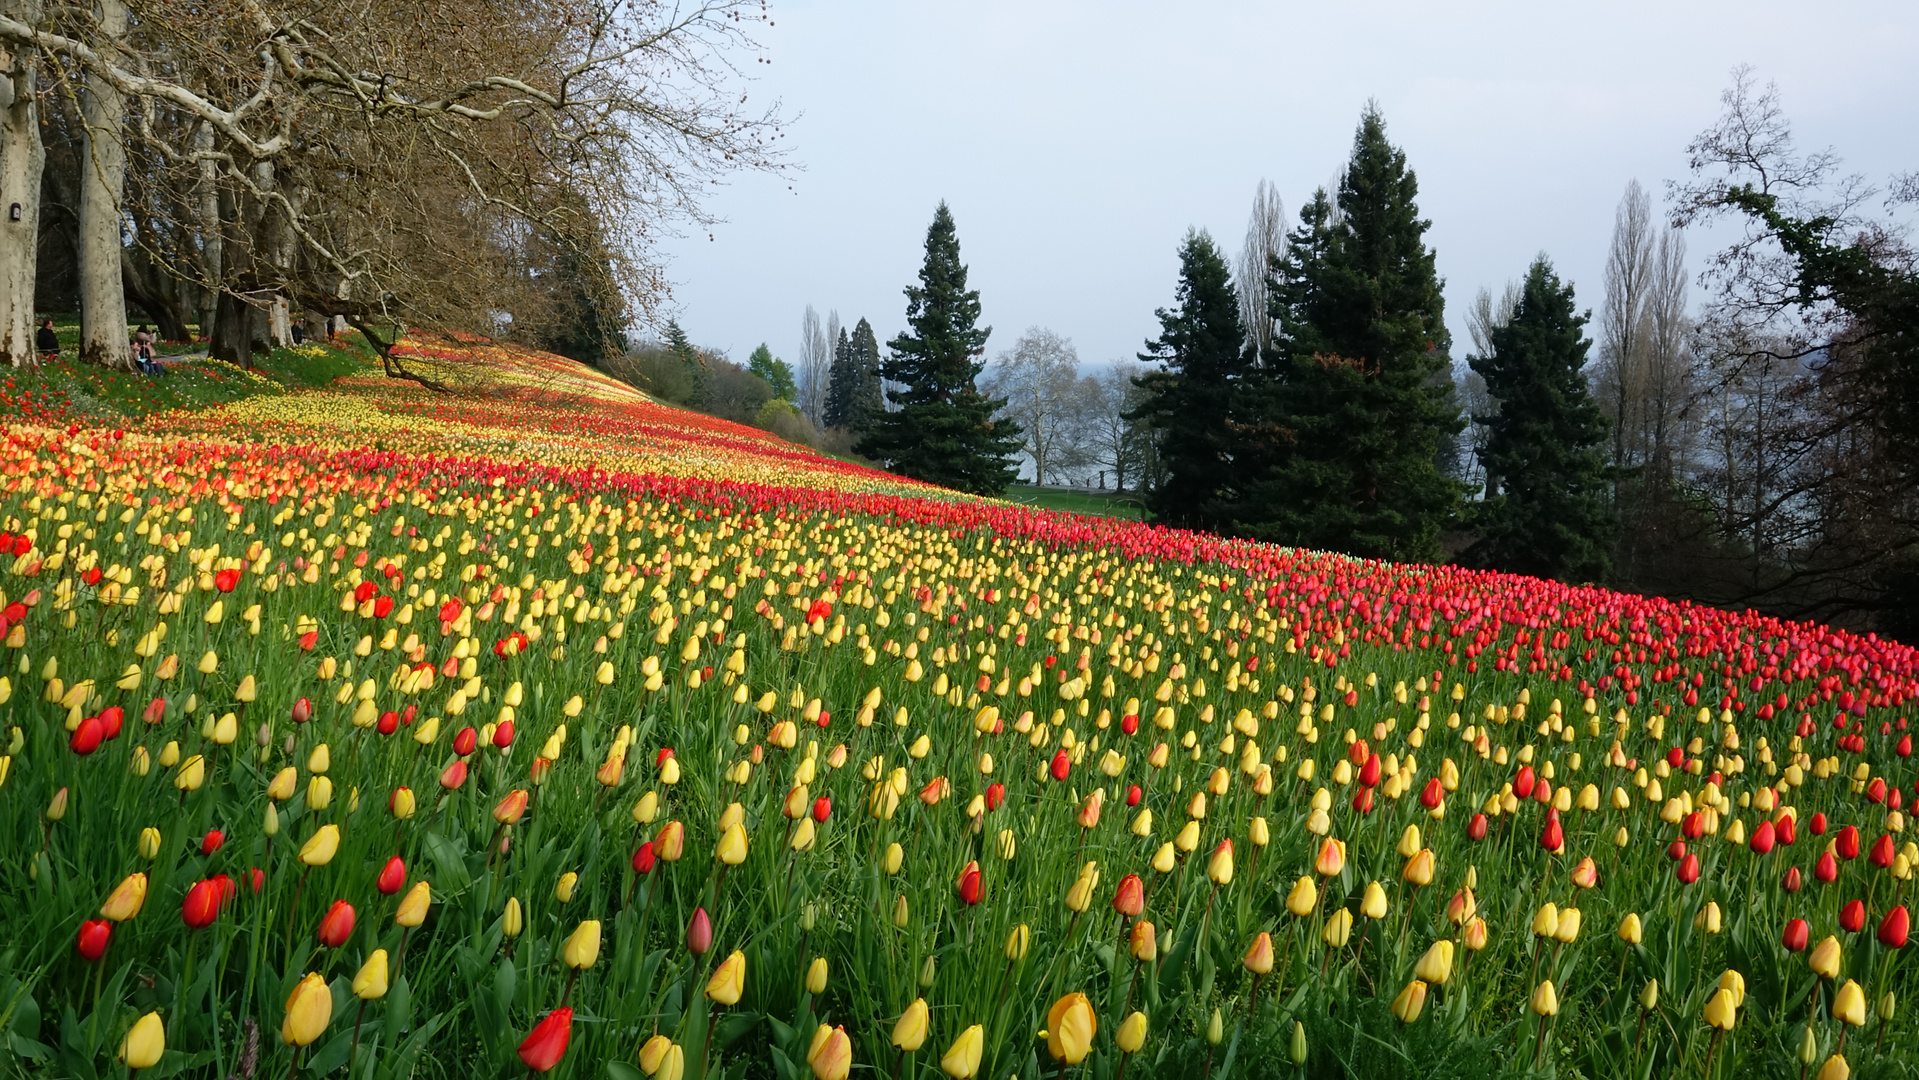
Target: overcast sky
{"x": 1076, "y": 142}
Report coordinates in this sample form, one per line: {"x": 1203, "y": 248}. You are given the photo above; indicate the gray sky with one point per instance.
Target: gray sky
{"x": 1076, "y": 141}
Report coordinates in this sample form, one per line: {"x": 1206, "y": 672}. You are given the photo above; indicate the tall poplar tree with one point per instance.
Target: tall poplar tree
{"x": 942, "y": 430}
{"x": 1195, "y": 404}
{"x": 1362, "y": 407}
{"x": 1548, "y": 514}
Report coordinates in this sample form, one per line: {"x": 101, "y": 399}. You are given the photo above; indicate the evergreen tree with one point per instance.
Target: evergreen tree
{"x": 777, "y": 373}
{"x": 841, "y": 379}
{"x": 943, "y": 430}
{"x": 866, "y": 400}
{"x": 680, "y": 348}
{"x": 1546, "y": 512}
{"x": 1362, "y": 409}
{"x": 1194, "y": 404}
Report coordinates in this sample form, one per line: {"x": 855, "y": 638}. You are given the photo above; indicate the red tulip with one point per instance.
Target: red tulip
{"x": 1689, "y": 869}
{"x": 1676, "y": 850}
{"x": 822, "y": 808}
{"x": 1363, "y": 800}
{"x": 1133, "y": 795}
{"x": 1882, "y": 852}
{"x": 383, "y": 607}
{"x": 257, "y": 878}
{"x": 392, "y": 877}
{"x": 1787, "y": 830}
{"x": 1369, "y": 772}
{"x": 545, "y": 1045}
{"x": 112, "y": 718}
{"x": 454, "y": 776}
{"x": 1762, "y": 838}
{"x": 1847, "y": 843}
{"x": 1476, "y": 828}
{"x": 969, "y": 884}
{"x": 1904, "y": 747}
{"x": 388, "y": 723}
{"x": 1523, "y": 783}
{"x": 1819, "y": 824}
{"x": 1792, "y": 881}
{"x": 225, "y": 580}
{"x": 1826, "y": 870}
{"x": 1129, "y": 724}
{"x": 212, "y": 841}
{"x": 1553, "y": 837}
{"x": 466, "y": 741}
{"x": 643, "y": 859}
{"x": 1852, "y": 917}
{"x": 1894, "y": 928}
{"x": 94, "y": 934}
{"x": 1130, "y": 898}
{"x": 1676, "y": 757}
{"x": 503, "y": 735}
{"x": 1693, "y": 825}
{"x": 1796, "y": 935}
{"x": 337, "y": 924}
{"x": 202, "y": 904}
{"x": 86, "y": 738}
{"x": 1062, "y": 765}
{"x": 699, "y": 932}
{"x": 1432, "y": 794}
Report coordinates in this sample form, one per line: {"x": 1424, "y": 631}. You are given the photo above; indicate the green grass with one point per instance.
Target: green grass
{"x": 1093, "y": 504}
{"x": 67, "y": 391}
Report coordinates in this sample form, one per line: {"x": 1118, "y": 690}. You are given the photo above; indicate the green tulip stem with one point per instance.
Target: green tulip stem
{"x": 1713, "y": 1050}
{"x": 353, "y": 1049}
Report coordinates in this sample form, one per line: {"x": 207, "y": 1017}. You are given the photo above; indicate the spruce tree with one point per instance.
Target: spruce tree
{"x": 942, "y": 430}
{"x": 1195, "y": 403}
{"x": 1546, "y": 511}
{"x": 841, "y": 378}
{"x": 865, "y": 400}
{"x": 1362, "y": 405}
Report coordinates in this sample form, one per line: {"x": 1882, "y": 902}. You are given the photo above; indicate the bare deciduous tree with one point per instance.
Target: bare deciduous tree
{"x": 816, "y": 367}
{"x": 1265, "y": 245}
{"x": 1039, "y": 378}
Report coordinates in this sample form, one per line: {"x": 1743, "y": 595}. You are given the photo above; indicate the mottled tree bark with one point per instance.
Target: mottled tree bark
{"x": 103, "y": 174}
{"x": 22, "y": 158}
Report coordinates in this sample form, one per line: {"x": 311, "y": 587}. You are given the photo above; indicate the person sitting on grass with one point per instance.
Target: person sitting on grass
{"x": 143, "y": 360}
{"x": 46, "y": 342}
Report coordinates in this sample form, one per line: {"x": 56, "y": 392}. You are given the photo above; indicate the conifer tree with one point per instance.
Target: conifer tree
{"x": 865, "y": 401}
{"x": 943, "y": 430}
{"x": 1362, "y": 404}
{"x": 1548, "y": 513}
{"x": 841, "y": 381}
{"x": 1195, "y": 404}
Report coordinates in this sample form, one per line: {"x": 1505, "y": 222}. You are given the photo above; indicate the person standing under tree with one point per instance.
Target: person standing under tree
{"x": 46, "y": 342}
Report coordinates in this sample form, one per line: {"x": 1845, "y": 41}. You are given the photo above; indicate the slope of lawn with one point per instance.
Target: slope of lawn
{"x": 361, "y": 730}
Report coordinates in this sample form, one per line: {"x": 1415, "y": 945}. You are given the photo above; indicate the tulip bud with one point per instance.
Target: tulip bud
{"x": 1215, "y": 1028}
{"x": 1437, "y": 965}
{"x": 1373, "y": 903}
{"x": 582, "y": 948}
{"x": 1132, "y": 1033}
{"x": 512, "y": 920}
{"x": 1070, "y": 1026}
{"x": 1849, "y": 1004}
{"x": 145, "y": 1043}
{"x": 1410, "y": 1002}
{"x": 699, "y": 932}
{"x": 1720, "y": 1012}
{"x": 1303, "y": 898}
{"x": 729, "y": 981}
{"x": 1545, "y": 1001}
{"x": 414, "y": 905}
{"x": 1259, "y": 955}
{"x": 1141, "y": 942}
{"x": 909, "y": 1034}
{"x": 1630, "y": 929}
{"x": 962, "y": 1059}
{"x": 1835, "y": 1068}
{"x": 563, "y": 889}
{"x": 816, "y": 976}
{"x": 370, "y": 984}
{"x": 308, "y": 1011}
{"x": 545, "y": 1045}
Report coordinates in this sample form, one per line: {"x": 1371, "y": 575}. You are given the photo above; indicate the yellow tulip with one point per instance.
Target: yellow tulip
{"x": 280, "y": 788}
{"x": 1419, "y": 869}
{"x": 1849, "y": 1004}
{"x": 1630, "y": 930}
{"x": 1303, "y": 898}
{"x": 126, "y": 899}
{"x": 816, "y": 976}
{"x": 1373, "y": 904}
{"x": 1132, "y": 1033}
{"x": 1070, "y": 1027}
{"x": 910, "y": 1032}
{"x": 192, "y": 773}
{"x": 961, "y": 1060}
{"x": 1546, "y": 920}
{"x": 1735, "y": 984}
{"x": 1410, "y": 1002}
{"x": 1566, "y": 930}
{"x": 1338, "y": 928}
{"x": 309, "y": 1009}
{"x": 831, "y": 1054}
{"x": 414, "y": 905}
{"x": 1835, "y": 1068}
{"x": 1545, "y": 1000}
{"x": 563, "y": 889}
{"x": 732, "y": 846}
{"x": 149, "y": 843}
{"x": 1720, "y": 1010}
{"x": 370, "y": 983}
{"x": 1259, "y": 955}
{"x": 1825, "y": 957}
{"x": 583, "y": 946}
{"x": 146, "y": 1041}
{"x": 1437, "y": 965}
{"x": 321, "y": 846}
{"x": 1018, "y": 942}
{"x": 512, "y": 920}
{"x": 729, "y": 982}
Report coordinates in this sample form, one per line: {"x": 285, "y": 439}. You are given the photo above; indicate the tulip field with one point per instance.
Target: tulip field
{"x": 538, "y": 728}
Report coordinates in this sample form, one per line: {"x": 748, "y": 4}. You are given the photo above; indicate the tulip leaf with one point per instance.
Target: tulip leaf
{"x": 784, "y": 1065}
{"x": 409, "y": 1052}
{"x": 399, "y": 1009}
{"x": 452, "y": 865}
{"x": 621, "y": 1070}
{"x": 333, "y": 1054}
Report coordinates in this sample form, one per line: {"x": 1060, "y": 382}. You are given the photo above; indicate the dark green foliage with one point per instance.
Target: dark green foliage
{"x": 1546, "y": 510}
{"x": 866, "y": 400}
{"x": 841, "y": 380}
{"x": 1196, "y": 404}
{"x": 1361, "y": 410}
{"x": 777, "y": 373}
{"x": 942, "y": 430}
